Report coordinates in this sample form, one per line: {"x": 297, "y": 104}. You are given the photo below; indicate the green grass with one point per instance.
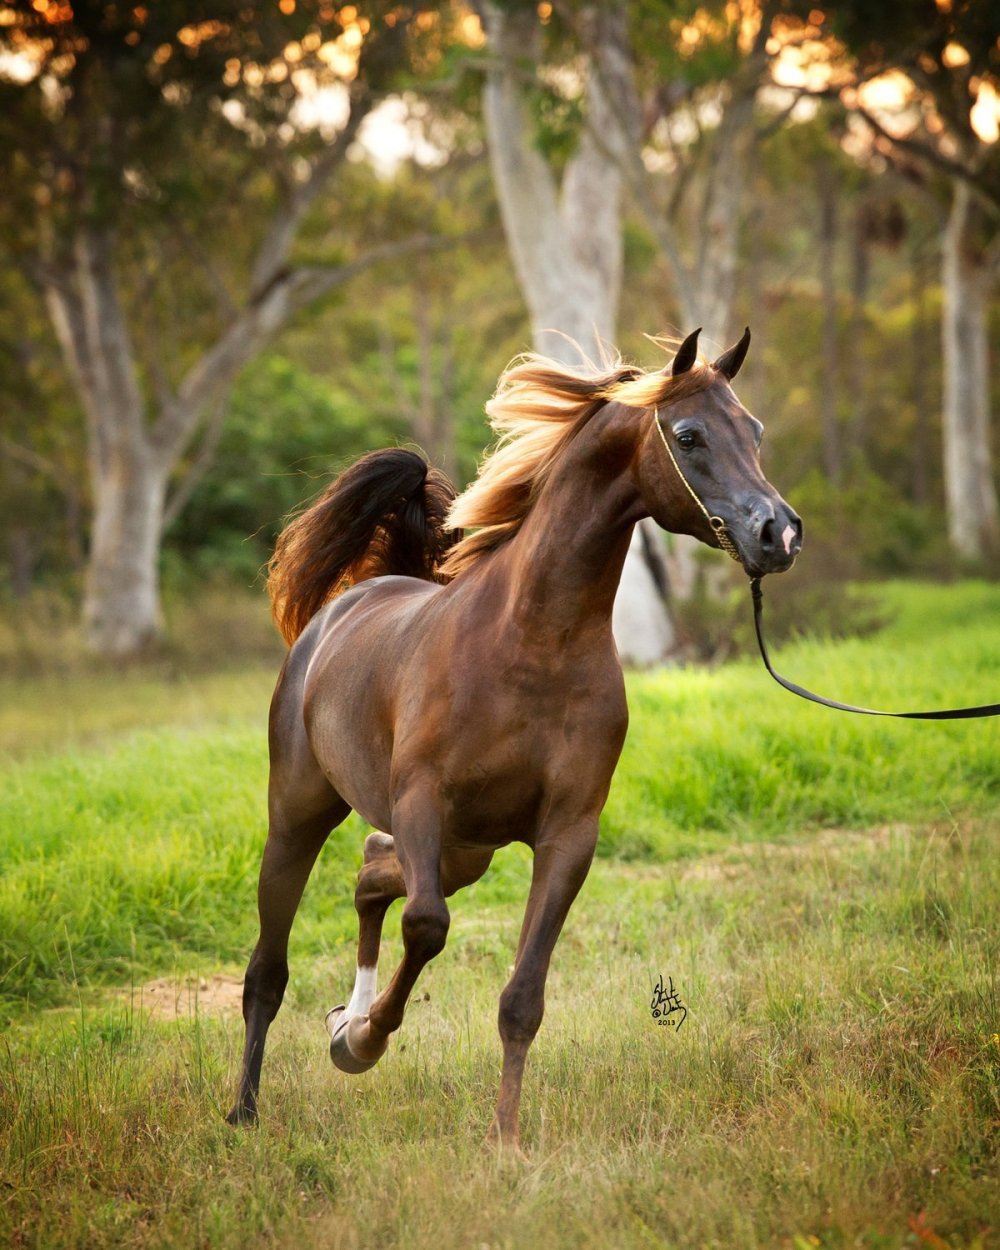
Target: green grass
{"x": 837, "y": 1078}
{"x": 144, "y": 852}
{"x": 822, "y": 889}
{"x": 715, "y": 755}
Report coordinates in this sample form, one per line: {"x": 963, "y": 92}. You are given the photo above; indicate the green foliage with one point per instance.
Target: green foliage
{"x": 866, "y": 526}
{"x": 286, "y": 432}
{"x": 192, "y": 191}
{"x": 919, "y": 39}
{"x": 111, "y": 83}
{"x": 708, "y": 55}
{"x": 558, "y": 120}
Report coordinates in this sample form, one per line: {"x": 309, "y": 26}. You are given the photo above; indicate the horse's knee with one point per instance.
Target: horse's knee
{"x": 264, "y": 987}
{"x": 379, "y": 883}
{"x": 521, "y": 1011}
{"x": 425, "y": 926}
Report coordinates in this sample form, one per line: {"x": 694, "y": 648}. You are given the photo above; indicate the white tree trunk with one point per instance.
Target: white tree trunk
{"x": 121, "y": 608}
{"x": 970, "y": 492}
{"x": 128, "y": 475}
{"x": 707, "y": 295}
{"x": 566, "y": 246}
{"x": 644, "y": 632}
{"x": 565, "y": 243}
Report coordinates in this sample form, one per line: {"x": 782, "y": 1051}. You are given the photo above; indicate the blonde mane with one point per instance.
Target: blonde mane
{"x": 538, "y": 408}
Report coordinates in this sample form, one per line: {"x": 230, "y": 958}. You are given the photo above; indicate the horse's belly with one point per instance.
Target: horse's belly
{"x": 497, "y": 810}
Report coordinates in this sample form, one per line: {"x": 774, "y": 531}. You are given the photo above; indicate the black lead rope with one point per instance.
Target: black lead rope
{"x": 726, "y": 543}
{"x": 957, "y": 713}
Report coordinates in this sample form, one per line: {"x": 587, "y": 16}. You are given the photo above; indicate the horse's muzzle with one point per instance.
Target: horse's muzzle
{"x": 772, "y": 540}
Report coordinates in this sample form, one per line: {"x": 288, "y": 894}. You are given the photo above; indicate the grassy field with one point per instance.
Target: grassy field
{"x": 823, "y": 890}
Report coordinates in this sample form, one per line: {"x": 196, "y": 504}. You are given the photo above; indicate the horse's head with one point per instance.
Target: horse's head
{"x": 699, "y": 467}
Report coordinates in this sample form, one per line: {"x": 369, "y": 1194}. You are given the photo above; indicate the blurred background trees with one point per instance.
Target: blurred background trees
{"x": 239, "y": 250}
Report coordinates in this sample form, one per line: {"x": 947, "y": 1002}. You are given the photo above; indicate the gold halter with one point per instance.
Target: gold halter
{"x": 716, "y": 522}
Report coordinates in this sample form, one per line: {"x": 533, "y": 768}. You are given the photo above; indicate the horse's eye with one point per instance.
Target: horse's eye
{"x": 686, "y": 440}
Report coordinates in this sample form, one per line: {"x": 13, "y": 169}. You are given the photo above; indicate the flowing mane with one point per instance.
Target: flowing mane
{"x": 538, "y": 408}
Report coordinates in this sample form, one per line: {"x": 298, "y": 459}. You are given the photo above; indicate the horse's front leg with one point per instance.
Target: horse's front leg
{"x": 561, "y": 864}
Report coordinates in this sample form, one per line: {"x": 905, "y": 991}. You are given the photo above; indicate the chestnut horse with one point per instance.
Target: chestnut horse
{"x": 465, "y": 693}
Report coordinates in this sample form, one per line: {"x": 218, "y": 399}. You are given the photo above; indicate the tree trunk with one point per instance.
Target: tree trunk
{"x": 565, "y": 243}
{"x": 970, "y": 493}
{"x": 832, "y": 455}
{"x": 566, "y": 247}
{"x": 857, "y": 374}
{"x": 922, "y": 347}
{"x": 139, "y": 425}
{"x": 121, "y": 609}
{"x": 128, "y": 472}
{"x": 711, "y": 284}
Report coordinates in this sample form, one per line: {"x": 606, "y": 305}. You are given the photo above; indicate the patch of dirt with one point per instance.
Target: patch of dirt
{"x": 169, "y": 999}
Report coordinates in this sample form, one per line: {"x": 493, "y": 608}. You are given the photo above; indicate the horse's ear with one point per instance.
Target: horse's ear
{"x": 729, "y": 362}
{"x": 687, "y": 354}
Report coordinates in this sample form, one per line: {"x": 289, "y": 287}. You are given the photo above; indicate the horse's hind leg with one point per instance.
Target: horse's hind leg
{"x": 380, "y": 883}
{"x": 293, "y": 842}
{"x": 360, "y": 1040}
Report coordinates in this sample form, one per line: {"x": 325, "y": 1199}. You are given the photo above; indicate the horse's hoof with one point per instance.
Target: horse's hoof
{"x": 334, "y": 1018}
{"x": 340, "y": 1029}
{"x": 377, "y": 845}
{"x": 242, "y": 1117}
{"x": 507, "y": 1149}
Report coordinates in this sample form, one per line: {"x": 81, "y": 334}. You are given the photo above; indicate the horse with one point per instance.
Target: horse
{"x": 462, "y": 691}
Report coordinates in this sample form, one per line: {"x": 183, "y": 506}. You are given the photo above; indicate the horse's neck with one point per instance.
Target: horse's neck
{"x": 566, "y": 561}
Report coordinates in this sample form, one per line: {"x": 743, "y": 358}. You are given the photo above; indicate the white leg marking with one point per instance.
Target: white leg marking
{"x": 364, "y": 993}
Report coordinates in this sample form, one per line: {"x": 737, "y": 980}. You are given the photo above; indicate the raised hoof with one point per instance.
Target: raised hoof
{"x": 341, "y": 1053}
{"x": 378, "y": 845}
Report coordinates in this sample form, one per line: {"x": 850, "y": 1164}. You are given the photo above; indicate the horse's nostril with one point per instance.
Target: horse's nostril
{"x": 780, "y": 534}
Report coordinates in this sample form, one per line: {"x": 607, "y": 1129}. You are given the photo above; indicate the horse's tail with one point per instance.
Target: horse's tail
{"x": 385, "y": 514}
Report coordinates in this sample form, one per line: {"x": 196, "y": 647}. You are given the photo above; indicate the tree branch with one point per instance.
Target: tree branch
{"x": 379, "y": 53}
{"x": 256, "y": 325}
{"x": 275, "y": 248}
{"x": 923, "y": 149}
{"x": 224, "y": 299}
{"x": 31, "y": 459}
{"x": 182, "y": 493}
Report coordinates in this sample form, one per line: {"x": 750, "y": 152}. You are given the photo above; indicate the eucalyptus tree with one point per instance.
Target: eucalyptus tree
{"x": 163, "y": 200}
{"x": 589, "y": 107}
{"x": 938, "y": 65}
{"x": 696, "y": 72}
{"x": 561, "y": 202}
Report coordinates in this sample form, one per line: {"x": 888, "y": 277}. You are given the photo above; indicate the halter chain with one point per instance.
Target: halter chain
{"x": 716, "y": 522}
